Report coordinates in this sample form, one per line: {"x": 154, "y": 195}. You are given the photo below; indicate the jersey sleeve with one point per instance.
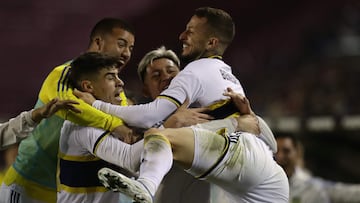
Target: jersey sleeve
{"x": 16, "y": 129}
{"x": 143, "y": 115}
{"x": 110, "y": 149}
{"x": 184, "y": 85}
{"x": 56, "y": 85}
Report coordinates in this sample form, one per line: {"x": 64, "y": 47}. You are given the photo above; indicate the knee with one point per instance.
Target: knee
{"x": 152, "y": 131}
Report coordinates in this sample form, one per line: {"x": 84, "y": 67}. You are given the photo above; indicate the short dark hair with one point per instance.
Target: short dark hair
{"x": 87, "y": 65}
{"x": 293, "y": 137}
{"x": 220, "y": 23}
{"x": 106, "y": 26}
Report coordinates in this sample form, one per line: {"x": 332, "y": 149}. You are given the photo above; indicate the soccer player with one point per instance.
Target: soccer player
{"x": 203, "y": 82}
{"x": 82, "y": 148}
{"x": 32, "y": 178}
{"x": 159, "y": 69}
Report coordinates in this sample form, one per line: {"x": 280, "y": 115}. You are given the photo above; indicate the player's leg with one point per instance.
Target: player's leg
{"x": 194, "y": 148}
{"x": 156, "y": 162}
{"x": 182, "y": 144}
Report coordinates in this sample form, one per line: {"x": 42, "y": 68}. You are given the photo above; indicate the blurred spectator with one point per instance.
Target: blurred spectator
{"x": 305, "y": 188}
{"x": 302, "y": 187}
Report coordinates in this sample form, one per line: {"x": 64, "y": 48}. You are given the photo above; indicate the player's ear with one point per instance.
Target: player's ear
{"x": 212, "y": 43}
{"x": 97, "y": 44}
{"x": 87, "y": 86}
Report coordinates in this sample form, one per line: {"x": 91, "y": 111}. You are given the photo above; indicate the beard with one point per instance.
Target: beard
{"x": 185, "y": 59}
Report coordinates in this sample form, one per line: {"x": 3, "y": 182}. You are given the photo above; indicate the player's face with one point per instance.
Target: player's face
{"x": 287, "y": 154}
{"x": 119, "y": 43}
{"x": 158, "y": 76}
{"x": 107, "y": 86}
{"x": 194, "y": 39}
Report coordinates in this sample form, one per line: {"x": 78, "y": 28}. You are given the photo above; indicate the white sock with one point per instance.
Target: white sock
{"x": 156, "y": 161}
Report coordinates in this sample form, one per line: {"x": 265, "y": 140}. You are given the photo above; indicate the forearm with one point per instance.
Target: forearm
{"x": 16, "y": 129}
{"x": 142, "y": 116}
{"x": 121, "y": 154}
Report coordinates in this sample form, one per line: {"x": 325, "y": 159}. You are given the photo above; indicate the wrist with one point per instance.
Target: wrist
{"x": 36, "y": 115}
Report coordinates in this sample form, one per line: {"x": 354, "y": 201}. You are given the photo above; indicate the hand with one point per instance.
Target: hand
{"x": 52, "y": 107}
{"x": 85, "y": 96}
{"x": 185, "y": 117}
{"x": 241, "y": 102}
{"x": 126, "y": 134}
{"x": 248, "y": 123}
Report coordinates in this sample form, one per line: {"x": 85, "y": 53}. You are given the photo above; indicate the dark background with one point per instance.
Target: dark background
{"x": 295, "y": 59}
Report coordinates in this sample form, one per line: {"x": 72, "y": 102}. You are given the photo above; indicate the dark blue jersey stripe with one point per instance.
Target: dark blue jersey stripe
{"x": 81, "y": 174}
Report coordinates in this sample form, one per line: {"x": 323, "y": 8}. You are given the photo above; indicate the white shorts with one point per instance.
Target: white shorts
{"x": 243, "y": 166}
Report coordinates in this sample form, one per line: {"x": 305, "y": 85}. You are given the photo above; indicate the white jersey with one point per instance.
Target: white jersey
{"x": 82, "y": 152}
{"x": 305, "y": 189}
{"x": 202, "y": 81}
{"x": 16, "y": 129}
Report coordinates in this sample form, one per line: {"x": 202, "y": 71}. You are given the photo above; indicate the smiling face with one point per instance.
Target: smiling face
{"x": 195, "y": 39}
{"x": 158, "y": 76}
{"x": 118, "y": 43}
{"x": 106, "y": 86}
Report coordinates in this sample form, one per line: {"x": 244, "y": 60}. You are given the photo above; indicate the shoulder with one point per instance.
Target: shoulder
{"x": 58, "y": 71}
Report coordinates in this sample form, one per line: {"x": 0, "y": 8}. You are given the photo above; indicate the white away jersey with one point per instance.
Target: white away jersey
{"x": 203, "y": 81}
{"x": 82, "y": 152}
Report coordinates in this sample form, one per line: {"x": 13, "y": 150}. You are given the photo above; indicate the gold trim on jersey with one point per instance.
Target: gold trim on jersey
{"x": 171, "y": 99}
{"x": 82, "y": 190}
{"x": 78, "y": 158}
{"x": 99, "y": 140}
{"x": 223, "y": 109}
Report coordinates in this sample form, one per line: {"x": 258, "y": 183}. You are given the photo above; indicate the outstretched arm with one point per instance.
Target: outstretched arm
{"x": 142, "y": 116}
{"x": 19, "y": 127}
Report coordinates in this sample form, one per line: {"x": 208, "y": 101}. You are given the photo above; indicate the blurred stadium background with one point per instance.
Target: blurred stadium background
{"x": 299, "y": 61}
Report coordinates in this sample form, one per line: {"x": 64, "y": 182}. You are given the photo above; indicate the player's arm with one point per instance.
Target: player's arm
{"x": 146, "y": 115}
{"x": 185, "y": 116}
{"x": 18, "y": 128}
{"x": 107, "y": 147}
{"x": 142, "y": 116}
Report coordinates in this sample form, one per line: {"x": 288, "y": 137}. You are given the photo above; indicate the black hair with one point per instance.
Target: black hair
{"x": 294, "y": 139}
{"x": 89, "y": 64}
{"x": 106, "y": 26}
{"x": 220, "y": 23}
